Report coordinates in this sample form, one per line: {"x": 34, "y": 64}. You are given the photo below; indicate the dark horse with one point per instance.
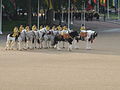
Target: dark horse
{"x": 65, "y": 38}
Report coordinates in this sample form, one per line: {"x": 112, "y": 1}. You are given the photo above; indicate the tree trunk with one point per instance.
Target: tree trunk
{"x": 49, "y": 20}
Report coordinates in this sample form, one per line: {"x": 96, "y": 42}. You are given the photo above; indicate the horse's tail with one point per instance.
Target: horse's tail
{"x": 8, "y": 36}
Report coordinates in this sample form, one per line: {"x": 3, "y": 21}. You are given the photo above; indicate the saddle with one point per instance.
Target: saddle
{"x": 66, "y": 36}
{"x": 83, "y": 34}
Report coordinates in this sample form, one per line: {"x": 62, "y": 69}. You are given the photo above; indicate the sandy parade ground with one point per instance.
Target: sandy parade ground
{"x": 49, "y": 69}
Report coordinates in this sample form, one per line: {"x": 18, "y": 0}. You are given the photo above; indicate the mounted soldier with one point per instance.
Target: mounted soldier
{"x": 21, "y": 28}
{"x": 83, "y": 32}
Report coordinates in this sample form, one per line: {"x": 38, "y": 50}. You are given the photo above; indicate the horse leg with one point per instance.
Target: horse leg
{"x": 58, "y": 46}
{"x": 88, "y": 47}
{"x": 76, "y": 44}
{"x": 49, "y": 44}
{"x": 23, "y": 45}
{"x": 36, "y": 43}
{"x": 70, "y": 44}
{"x": 63, "y": 43}
{"x": 7, "y": 45}
{"x": 16, "y": 45}
{"x": 41, "y": 44}
{"x": 45, "y": 44}
{"x": 70, "y": 47}
{"x": 12, "y": 44}
{"x": 27, "y": 44}
{"x": 32, "y": 43}
{"x": 19, "y": 46}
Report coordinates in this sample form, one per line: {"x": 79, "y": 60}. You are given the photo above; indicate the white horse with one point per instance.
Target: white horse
{"x": 30, "y": 38}
{"x": 39, "y": 37}
{"x": 48, "y": 39}
{"x": 22, "y": 40}
{"x": 10, "y": 43}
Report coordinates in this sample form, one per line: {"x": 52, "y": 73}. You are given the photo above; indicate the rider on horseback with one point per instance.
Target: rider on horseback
{"x": 83, "y": 32}
{"x": 27, "y": 28}
{"x": 82, "y": 27}
{"x": 15, "y": 33}
{"x": 34, "y": 28}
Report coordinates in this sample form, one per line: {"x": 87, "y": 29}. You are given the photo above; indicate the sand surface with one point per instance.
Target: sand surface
{"x": 96, "y": 69}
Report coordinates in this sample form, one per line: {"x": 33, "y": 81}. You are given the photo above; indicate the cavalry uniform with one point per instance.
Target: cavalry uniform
{"x": 83, "y": 32}
{"x": 82, "y": 28}
{"x": 59, "y": 29}
{"x": 47, "y": 29}
{"x": 34, "y": 28}
{"x": 54, "y": 30}
{"x": 65, "y": 32}
{"x": 27, "y": 28}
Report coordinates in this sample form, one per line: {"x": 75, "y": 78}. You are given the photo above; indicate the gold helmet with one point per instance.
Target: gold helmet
{"x": 64, "y": 28}
{"x": 15, "y": 32}
{"x": 15, "y": 29}
{"x": 53, "y": 28}
{"x": 82, "y": 27}
{"x": 47, "y": 28}
{"x": 41, "y": 27}
{"x": 21, "y": 28}
{"x": 27, "y": 28}
{"x": 34, "y": 27}
{"x": 59, "y": 28}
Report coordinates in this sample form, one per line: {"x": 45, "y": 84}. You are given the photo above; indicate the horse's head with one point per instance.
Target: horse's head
{"x": 93, "y": 36}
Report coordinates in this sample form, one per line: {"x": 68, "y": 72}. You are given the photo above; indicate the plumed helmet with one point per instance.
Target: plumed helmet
{"x": 21, "y": 28}
{"x": 47, "y": 27}
{"x": 27, "y": 28}
{"x": 41, "y": 27}
{"x": 15, "y": 29}
{"x": 34, "y": 27}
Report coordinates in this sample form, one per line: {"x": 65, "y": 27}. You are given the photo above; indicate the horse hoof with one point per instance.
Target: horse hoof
{"x": 76, "y": 47}
{"x": 69, "y": 50}
{"x": 11, "y": 48}
{"x": 5, "y": 48}
{"x": 58, "y": 49}
{"x": 88, "y": 48}
{"x": 25, "y": 48}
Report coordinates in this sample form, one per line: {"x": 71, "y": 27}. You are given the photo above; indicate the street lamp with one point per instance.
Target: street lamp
{"x": 118, "y": 9}
{"x": 83, "y": 13}
{"x": 1, "y": 17}
{"x": 69, "y": 15}
{"x": 62, "y": 14}
{"x": 38, "y": 21}
{"x": 72, "y": 15}
{"x": 53, "y": 15}
{"x": 108, "y": 15}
